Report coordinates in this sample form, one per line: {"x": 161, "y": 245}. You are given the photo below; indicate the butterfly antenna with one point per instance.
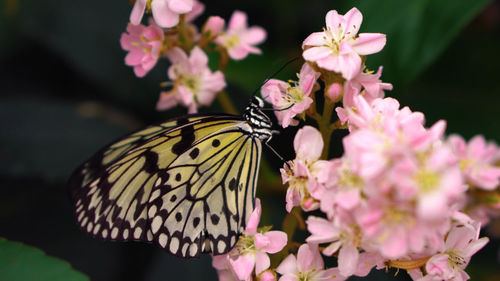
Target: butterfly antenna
{"x": 275, "y": 152}
{"x": 275, "y": 73}
{"x": 279, "y": 109}
{"x": 286, "y": 163}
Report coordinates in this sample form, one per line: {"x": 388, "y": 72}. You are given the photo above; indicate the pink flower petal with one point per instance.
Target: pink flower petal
{"x": 220, "y": 261}
{"x": 277, "y": 241}
{"x": 238, "y": 53}
{"x": 321, "y": 230}
{"x": 261, "y": 241}
{"x": 243, "y": 266}
{"x": 134, "y": 57}
{"x": 138, "y": 12}
{"x": 140, "y": 71}
{"x": 198, "y": 59}
{"x": 308, "y": 258}
{"x": 437, "y": 265}
{"x": 475, "y": 246}
{"x": 185, "y": 95}
{"x": 288, "y": 266}
{"x": 176, "y": 55}
{"x": 167, "y": 100}
{"x": 163, "y": 16}
{"x": 395, "y": 244}
{"x": 316, "y": 53}
{"x": 288, "y": 278}
{"x": 369, "y": 43}
{"x": 253, "y": 221}
{"x": 308, "y": 143}
{"x": 262, "y": 262}
{"x": 348, "y": 199}
{"x": 180, "y": 6}
{"x": 314, "y": 39}
{"x": 197, "y": 10}
{"x": 348, "y": 260}
{"x": 238, "y": 21}
{"x": 353, "y": 19}
{"x": 334, "y": 21}
{"x": 254, "y": 35}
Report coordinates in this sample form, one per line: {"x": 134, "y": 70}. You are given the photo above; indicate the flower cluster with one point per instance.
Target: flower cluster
{"x": 402, "y": 194}
{"x": 170, "y": 34}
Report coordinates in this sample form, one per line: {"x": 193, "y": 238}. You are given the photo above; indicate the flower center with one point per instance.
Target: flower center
{"x": 426, "y": 180}
{"x": 455, "y": 260}
{"x": 331, "y": 41}
{"x": 192, "y": 82}
{"x": 397, "y": 216}
{"x": 231, "y": 41}
{"x": 246, "y": 244}
{"x": 307, "y": 276}
{"x": 465, "y": 163}
{"x": 350, "y": 180}
{"x": 294, "y": 95}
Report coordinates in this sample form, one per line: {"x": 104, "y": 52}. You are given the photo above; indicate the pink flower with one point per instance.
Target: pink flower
{"x": 462, "y": 242}
{"x": 144, "y": 44}
{"x": 165, "y": 12}
{"x": 344, "y": 189}
{"x": 381, "y": 132}
{"x": 307, "y": 266}
{"x": 478, "y": 161}
{"x": 252, "y": 249}
{"x": 394, "y": 230}
{"x": 239, "y": 40}
{"x": 338, "y": 48}
{"x": 306, "y": 173}
{"x": 371, "y": 83}
{"x": 345, "y": 240}
{"x": 194, "y": 84}
{"x": 291, "y": 99}
{"x": 433, "y": 180}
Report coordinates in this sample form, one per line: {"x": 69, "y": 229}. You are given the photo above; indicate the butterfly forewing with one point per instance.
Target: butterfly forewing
{"x": 187, "y": 184}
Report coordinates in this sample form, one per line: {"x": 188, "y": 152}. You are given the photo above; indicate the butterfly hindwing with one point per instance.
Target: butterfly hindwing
{"x": 187, "y": 184}
{"x": 205, "y": 209}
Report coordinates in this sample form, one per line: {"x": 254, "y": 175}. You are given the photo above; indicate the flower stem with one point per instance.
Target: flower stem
{"x": 325, "y": 126}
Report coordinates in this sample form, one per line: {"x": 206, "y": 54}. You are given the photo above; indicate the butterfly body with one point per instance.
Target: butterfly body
{"x": 187, "y": 184}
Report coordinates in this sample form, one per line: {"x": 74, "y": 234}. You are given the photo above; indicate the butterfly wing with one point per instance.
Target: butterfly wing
{"x": 187, "y": 184}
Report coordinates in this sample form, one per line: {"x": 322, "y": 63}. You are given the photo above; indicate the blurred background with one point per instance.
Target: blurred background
{"x": 65, "y": 92}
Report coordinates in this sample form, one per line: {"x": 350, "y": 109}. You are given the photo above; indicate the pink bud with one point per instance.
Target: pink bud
{"x": 214, "y": 25}
{"x": 334, "y": 91}
{"x": 267, "y": 275}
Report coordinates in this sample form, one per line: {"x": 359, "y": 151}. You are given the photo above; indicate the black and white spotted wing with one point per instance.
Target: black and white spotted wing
{"x": 187, "y": 184}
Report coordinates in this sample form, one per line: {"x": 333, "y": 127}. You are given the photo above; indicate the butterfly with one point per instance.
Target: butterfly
{"x": 187, "y": 184}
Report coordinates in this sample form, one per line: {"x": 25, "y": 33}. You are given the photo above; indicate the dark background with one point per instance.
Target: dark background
{"x": 65, "y": 92}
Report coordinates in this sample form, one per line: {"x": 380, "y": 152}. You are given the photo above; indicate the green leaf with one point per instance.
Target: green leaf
{"x": 418, "y": 31}
{"x": 24, "y": 263}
